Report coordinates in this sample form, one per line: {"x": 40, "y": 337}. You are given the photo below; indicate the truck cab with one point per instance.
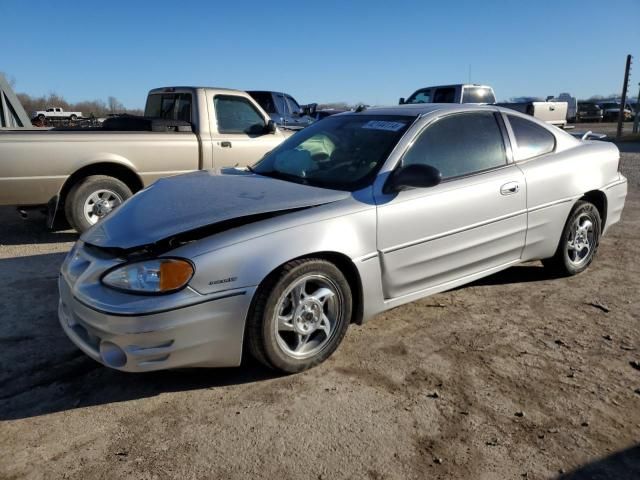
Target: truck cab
{"x": 460, "y": 93}
{"x": 283, "y": 109}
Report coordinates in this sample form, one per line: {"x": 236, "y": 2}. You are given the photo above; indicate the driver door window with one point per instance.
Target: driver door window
{"x": 460, "y": 145}
{"x": 237, "y": 115}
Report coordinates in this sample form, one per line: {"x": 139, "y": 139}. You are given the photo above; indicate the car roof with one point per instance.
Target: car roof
{"x": 419, "y": 109}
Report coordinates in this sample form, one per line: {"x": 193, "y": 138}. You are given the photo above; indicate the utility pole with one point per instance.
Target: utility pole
{"x": 636, "y": 121}
{"x": 623, "y": 99}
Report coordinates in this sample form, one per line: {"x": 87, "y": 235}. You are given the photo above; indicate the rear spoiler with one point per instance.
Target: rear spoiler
{"x": 589, "y": 135}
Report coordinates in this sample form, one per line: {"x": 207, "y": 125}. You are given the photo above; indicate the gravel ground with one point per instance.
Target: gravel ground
{"x": 519, "y": 375}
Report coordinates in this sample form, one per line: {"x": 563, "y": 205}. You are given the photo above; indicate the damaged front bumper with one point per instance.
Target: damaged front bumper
{"x": 136, "y": 333}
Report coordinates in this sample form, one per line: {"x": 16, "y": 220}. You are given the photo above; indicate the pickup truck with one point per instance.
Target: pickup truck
{"x": 550, "y": 111}
{"x": 56, "y": 112}
{"x": 284, "y": 110}
{"x": 554, "y": 113}
{"x": 83, "y": 174}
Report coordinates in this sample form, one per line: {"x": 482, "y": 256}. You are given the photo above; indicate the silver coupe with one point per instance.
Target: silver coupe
{"x": 354, "y": 215}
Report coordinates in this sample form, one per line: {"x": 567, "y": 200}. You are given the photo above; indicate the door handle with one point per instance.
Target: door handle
{"x": 225, "y": 144}
{"x": 510, "y": 188}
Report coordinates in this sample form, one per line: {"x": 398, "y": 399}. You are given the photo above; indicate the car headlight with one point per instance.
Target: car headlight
{"x": 161, "y": 275}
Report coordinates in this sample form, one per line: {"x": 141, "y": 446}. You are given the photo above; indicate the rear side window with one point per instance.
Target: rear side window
{"x": 445, "y": 95}
{"x": 170, "y": 106}
{"x": 478, "y": 95}
{"x": 237, "y": 115}
{"x": 531, "y": 139}
{"x": 460, "y": 144}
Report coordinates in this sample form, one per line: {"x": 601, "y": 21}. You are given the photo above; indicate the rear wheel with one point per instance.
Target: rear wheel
{"x": 579, "y": 242}
{"x": 74, "y": 118}
{"x": 299, "y": 316}
{"x": 92, "y": 199}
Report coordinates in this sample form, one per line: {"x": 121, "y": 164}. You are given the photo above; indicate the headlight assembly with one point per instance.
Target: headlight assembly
{"x": 157, "y": 276}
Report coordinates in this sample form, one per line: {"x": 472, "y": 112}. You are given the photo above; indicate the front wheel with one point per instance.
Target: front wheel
{"x": 92, "y": 199}
{"x": 299, "y": 316}
{"x": 74, "y": 118}
{"x": 579, "y": 242}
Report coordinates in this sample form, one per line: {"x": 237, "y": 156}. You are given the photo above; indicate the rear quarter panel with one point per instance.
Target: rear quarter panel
{"x": 555, "y": 182}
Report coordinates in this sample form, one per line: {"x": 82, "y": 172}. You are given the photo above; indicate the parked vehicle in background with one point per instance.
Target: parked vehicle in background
{"x": 589, "y": 112}
{"x": 56, "y": 112}
{"x": 83, "y": 174}
{"x": 611, "y": 111}
{"x": 327, "y": 112}
{"x": 554, "y": 113}
{"x": 284, "y": 110}
{"x": 462, "y": 93}
{"x": 572, "y": 105}
{"x": 354, "y": 215}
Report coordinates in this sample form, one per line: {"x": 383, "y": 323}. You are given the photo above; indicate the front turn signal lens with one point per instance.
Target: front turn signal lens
{"x": 157, "y": 276}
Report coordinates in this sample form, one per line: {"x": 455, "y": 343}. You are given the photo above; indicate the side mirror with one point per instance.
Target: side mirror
{"x": 413, "y": 176}
{"x": 270, "y": 127}
{"x": 401, "y": 101}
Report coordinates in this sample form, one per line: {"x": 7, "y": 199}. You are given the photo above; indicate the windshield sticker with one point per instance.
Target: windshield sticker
{"x": 382, "y": 125}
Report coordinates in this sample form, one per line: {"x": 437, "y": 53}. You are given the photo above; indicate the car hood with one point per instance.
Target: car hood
{"x": 183, "y": 203}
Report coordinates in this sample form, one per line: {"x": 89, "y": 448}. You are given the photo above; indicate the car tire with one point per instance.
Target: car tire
{"x": 294, "y": 337}
{"x": 41, "y": 117}
{"x": 579, "y": 241}
{"x": 73, "y": 118}
{"x": 92, "y": 198}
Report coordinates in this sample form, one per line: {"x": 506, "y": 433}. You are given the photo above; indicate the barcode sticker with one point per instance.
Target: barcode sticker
{"x": 382, "y": 125}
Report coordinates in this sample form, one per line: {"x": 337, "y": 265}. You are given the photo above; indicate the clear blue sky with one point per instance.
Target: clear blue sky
{"x": 354, "y": 51}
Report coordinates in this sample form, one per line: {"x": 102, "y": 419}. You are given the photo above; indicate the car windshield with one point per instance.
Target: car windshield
{"x": 342, "y": 152}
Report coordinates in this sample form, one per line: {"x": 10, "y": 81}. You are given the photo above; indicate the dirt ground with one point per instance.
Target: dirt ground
{"x": 519, "y": 375}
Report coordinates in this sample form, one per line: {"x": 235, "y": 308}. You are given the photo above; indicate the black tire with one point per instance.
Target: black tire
{"x": 41, "y": 117}
{"x": 73, "y": 118}
{"x": 262, "y": 340}
{"x": 82, "y": 191}
{"x": 561, "y": 263}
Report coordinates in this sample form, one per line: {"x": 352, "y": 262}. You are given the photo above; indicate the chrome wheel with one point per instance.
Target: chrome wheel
{"x": 99, "y": 204}
{"x": 581, "y": 240}
{"x": 307, "y": 314}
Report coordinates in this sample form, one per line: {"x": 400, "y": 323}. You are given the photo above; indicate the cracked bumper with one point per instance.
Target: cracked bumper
{"x": 206, "y": 334}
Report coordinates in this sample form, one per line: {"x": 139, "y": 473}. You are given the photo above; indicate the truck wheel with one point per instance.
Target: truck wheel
{"x": 92, "y": 199}
{"x": 299, "y": 315}
{"x": 73, "y": 118}
{"x": 41, "y": 117}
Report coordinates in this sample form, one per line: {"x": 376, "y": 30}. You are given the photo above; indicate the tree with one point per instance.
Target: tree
{"x": 114, "y": 105}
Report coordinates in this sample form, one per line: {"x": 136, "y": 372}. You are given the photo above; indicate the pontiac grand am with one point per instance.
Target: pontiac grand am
{"x": 356, "y": 214}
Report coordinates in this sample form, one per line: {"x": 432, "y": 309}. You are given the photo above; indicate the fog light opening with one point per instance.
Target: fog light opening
{"x": 112, "y": 355}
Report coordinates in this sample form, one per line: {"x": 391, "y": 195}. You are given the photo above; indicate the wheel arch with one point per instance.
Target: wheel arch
{"x": 111, "y": 169}
{"x": 599, "y": 199}
{"x": 116, "y": 170}
{"x": 348, "y": 269}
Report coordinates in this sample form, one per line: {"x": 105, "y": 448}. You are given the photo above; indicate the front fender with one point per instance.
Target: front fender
{"x": 247, "y": 263}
